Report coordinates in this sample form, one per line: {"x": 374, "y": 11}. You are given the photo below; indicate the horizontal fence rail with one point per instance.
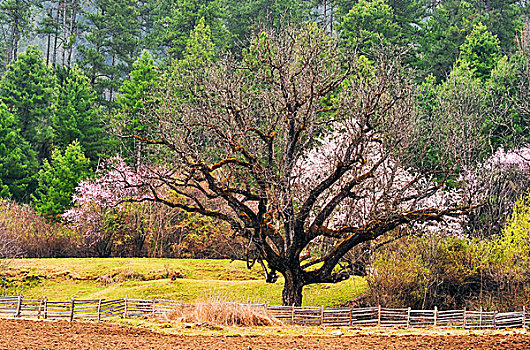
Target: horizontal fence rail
{"x": 99, "y": 309}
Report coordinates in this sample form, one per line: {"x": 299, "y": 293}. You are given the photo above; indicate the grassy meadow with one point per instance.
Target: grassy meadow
{"x": 180, "y": 279}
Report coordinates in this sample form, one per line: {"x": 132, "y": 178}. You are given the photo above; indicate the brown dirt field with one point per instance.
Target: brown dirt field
{"x": 25, "y": 334}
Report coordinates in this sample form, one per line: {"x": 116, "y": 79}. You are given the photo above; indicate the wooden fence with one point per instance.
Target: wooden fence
{"x": 100, "y": 309}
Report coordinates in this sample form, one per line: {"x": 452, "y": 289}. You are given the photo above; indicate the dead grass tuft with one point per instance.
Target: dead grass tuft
{"x": 221, "y": 313}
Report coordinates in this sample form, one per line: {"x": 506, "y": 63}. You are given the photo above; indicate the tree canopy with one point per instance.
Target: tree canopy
{"x": 279, "y": 143}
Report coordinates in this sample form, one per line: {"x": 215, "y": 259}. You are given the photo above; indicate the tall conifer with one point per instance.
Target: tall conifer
{"x": 28, "y": 90}
{"x": 18, "y": 163}
{"x": 78, "y": 115}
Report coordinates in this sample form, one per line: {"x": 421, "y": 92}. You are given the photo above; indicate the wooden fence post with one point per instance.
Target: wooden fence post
{"x": 351, "y": 316}
{"x": 495, "y": 320}
{"x": 153, "y": 306}
{"x": 465, "y": 318}
{"x": 41, "y": 301}
{"x": 480, "y": 318}
{"x": 292, "y": 314}
{"x": 72, "y": 305}
{"x": 524, "y": 316}
{"x": 321, "y": 315}
{"x": 379, "y": 316}
{"x": 408, "y": 317}
{"x": 45, "y": 308}
{"x": 435, "y": 316}
{"x": 99, "y": 310}
{"x": 19, "y": 306}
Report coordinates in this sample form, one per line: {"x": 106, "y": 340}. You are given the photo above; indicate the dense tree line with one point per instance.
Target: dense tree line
{"x": 97, "y": 59}
{"x": 106, "y": 37}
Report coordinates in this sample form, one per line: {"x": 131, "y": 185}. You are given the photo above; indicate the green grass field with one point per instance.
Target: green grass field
{"x": 179, "y": 279}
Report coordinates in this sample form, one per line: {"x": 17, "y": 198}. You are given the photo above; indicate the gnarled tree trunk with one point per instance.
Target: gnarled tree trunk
{"x": 292, "y": 289}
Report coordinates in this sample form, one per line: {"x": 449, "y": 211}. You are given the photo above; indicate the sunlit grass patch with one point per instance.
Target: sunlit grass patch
{"x": 186, "y": 280}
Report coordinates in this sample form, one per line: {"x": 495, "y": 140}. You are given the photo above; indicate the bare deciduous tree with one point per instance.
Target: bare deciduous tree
{"x": 295, "y": 142}
{"x": 9, "y": 247}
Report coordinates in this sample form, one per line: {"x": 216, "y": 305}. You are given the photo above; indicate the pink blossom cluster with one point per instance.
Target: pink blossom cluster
{"x": 518, "y": 158}
{"x": 481, "y": 176}
{"x": 115, "y": 184}
{"x": 391, "y": 183}
{"x": 385, "y": 192}
{"x": 500, "y": 180}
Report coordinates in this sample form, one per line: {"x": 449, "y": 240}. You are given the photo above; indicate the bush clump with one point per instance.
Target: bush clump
{"x": 455, "y": 272}
{"x": 26, "y": 233}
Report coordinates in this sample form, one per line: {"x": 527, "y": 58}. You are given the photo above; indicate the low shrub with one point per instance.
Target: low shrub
{"x": 423, "y": 272}
{"x": 152, "y": 230}
{"x": 455, "y": 272}
{"x": 25, "y": 233}
{"x": 131, "y": 230}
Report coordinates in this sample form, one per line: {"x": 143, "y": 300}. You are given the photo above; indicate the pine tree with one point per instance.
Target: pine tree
{"x": 443, "y": 34}
{"x": 48, "y": 27}
{"x": 199, "y": 45}
{"x": 509, "y": 89}
{"x": 135, "y": 94}
{"x": 502, "y": 18}
{"x": 451, "y": 22}
{"x": 77, "y": 115}
{"x": 368, "y": 24}
{"x": 18, "y": 163}
{"x": 174, "y": 20}
{"x": 2, "y": 55}
{"x": 28, "y": 90}
{"x": 15, "y": 20}
{"x": 58, "y": 25}
{"x": 111, "y": 45}
{"x": 58, "y": 179}
{"x": 480, "y": 51}
{"x": 242, "y": 17}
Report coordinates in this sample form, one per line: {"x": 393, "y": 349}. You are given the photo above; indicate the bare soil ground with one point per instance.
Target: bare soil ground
{"x": 34, "y": 335}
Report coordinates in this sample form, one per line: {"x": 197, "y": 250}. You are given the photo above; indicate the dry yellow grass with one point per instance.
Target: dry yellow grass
{"x": 216, "y": 311}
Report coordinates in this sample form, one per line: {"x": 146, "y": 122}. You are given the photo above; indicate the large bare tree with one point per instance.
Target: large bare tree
{"x": 296, "y": 142}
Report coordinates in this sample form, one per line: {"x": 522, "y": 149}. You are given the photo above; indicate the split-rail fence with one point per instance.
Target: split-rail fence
{"x": 18, "y": 306}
